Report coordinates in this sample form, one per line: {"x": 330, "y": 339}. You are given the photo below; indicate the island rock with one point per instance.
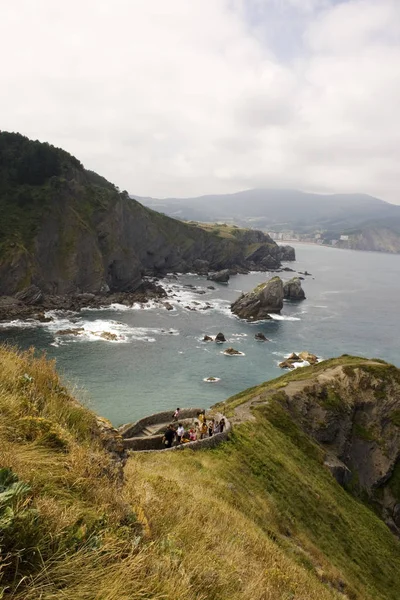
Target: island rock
{"x": 292, "y": 289}
{"x": 220, "y": 337}
{"x": 220, "y": 276}
{"x": 260, "y": 337}
{"x": 264, "y": 299}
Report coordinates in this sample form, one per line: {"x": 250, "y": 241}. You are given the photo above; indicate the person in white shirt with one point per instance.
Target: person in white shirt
{"x": 179, "y": 433}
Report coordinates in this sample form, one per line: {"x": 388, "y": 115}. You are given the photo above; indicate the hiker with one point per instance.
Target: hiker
{"x": 192, "y": 435}
{"x": 168, "y": 437}
{"x": 201, "y": 416}
{"x": 176, "y": 414}
{"x": 179, "y": 433}
{"x": 211, "y": 426}
{"x": 203, "y": 430}
{"x": 216, "y": 427}
{"x": 222, "y": 425}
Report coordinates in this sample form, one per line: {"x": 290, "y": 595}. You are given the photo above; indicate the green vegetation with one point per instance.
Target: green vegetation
{"x": 258, "y": 517}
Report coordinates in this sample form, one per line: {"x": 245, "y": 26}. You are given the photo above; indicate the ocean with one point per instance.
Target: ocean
{"x": 159, "y": 361}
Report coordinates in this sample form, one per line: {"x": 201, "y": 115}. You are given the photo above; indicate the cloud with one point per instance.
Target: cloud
{"x": 185, "y": 98}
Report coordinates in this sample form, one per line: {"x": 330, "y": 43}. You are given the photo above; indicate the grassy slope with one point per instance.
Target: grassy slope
{"x": 258, "y": 517}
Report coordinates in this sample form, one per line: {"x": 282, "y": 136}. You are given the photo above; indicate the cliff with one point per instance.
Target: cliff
{"x": 68, "y": 230}
{"x": 258, "y": 517}
{"x": 351, "y": 407}
{"x": 375, "y": 238}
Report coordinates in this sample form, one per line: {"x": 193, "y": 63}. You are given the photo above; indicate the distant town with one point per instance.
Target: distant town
{"x": 322, "y": 237}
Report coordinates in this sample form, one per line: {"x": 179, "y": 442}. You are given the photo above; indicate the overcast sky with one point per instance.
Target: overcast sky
{"x": 186, "y": 97}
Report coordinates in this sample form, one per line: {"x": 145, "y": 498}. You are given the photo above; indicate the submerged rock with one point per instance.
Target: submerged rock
{"x": 74, "y": 331}
{"x": 264, "y": 299}
{"x": 260, "y": 337}
{"x": 107, "y": 335}
{"x": 42, "y": 318}
{"x": 207, "y": 338}
{"x": 292, "y": 289}
{"x": 232, "y": 351}
{"x": 168, "y": 306}
{"x": 220, "y": 276}
{"x": 220, "y": 337}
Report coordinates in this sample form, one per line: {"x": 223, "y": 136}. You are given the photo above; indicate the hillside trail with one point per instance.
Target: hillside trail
{"x": 243, "y": 412}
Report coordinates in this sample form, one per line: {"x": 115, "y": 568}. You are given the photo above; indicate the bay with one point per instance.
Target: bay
{"x": 160, "y": 362}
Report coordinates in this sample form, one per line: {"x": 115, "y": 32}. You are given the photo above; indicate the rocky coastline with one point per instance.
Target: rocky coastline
{"x": 33, "y": 303}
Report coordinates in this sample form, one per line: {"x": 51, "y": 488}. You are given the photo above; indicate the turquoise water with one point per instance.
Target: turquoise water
{"x": 159, "y": 361}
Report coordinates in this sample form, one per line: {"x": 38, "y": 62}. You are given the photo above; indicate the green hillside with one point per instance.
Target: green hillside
{"x": 259, "y": 517}
{"x": 68, "y": 230}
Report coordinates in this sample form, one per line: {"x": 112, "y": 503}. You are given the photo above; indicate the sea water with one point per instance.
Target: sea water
{"x": 158, "y": 360}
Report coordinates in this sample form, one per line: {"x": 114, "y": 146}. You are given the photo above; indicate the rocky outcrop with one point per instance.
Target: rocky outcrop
{"x": 260, "y": 337}
{"x": 287, "y": 253}
{"x": 220, "y": 337}
{"x": 31, "y": 295}
{"x": 292, "y": 290}
{"x": 353, "y": 411}
{"x": 264, "y": 299}
{"x": 220, "y": 276}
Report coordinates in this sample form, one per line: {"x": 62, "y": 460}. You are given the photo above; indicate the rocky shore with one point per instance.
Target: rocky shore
{"x": 33, "y": 304}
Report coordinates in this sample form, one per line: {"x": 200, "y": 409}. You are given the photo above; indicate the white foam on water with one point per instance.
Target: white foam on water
{"x": 239, "y": 335}
{"x": 275, "y": 317}
{"x": 20, "y": 324}
{"x": 228, "y": 354}
{"x": 214, "y": 380}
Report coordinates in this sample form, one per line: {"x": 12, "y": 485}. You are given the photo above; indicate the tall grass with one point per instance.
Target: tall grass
{"x": 258, "y": 517}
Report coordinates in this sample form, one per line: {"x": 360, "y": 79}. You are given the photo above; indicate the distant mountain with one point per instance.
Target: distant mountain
{"x": 280, "y": 209}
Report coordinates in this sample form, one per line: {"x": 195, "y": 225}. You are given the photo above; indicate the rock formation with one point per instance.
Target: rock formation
{"x": 353, "y": 410}
{"x": 220, "y": 337}
{"x": 220, "y": 276}
{"x": 264, "y": 299}
{"x": 292, "y": 289}
{"x": 260, "y": 337}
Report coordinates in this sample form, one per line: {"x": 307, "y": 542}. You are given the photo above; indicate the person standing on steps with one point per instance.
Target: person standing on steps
{"x": 216, "y": 427}
{"x": 211, "y": 426}
{"x": 179, "y": 433}
{"x": 203, "y": 430}
{"x": 169, "y": 436}
{"x": 222, "y": 425}
{"x": 176, "y": 414}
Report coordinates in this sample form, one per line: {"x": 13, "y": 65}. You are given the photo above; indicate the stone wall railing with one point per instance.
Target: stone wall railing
{"x": 154, "y": 443}
{"x": 131, "y": 429}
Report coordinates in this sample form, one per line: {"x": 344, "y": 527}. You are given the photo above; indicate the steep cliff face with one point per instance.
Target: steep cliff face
{"x": 68, "y": 230}
{"x": 351, "y": 407}
{"x": 376, "y": 239}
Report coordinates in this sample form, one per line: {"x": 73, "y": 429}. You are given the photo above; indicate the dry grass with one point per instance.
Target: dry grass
{"x": 256, "y": 518}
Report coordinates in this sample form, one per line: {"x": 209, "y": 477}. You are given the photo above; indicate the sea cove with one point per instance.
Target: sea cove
{"x": 160, "y": 360}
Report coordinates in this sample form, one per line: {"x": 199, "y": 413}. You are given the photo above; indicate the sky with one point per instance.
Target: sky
{"x": 188, "y": 97}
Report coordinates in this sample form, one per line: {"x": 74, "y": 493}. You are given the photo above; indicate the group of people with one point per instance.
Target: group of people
{"x": 199, "y": 430}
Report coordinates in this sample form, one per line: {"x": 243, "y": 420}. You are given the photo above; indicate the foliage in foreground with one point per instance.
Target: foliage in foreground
{"x": 258, "y": 517}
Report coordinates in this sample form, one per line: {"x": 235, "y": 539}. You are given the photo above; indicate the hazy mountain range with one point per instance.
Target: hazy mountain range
{"x": 371, "y": 223}
{"x": 279, "y": 209}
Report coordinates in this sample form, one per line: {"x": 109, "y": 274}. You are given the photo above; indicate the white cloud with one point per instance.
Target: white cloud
{"x": 182, "y": 98}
